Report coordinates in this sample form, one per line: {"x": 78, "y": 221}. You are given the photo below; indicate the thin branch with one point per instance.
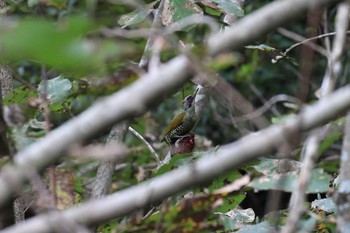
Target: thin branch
{"x": 302, "y": 40}
{"x": 45, "y": 100}
{"x": 260, "y": 111}
{"x": 334, "y": 60}
{"x": 268, "y": 104}
{"x": 327, "y": 42}
{"x": 149, "y": 146}
{"x": 107, "y": 153}
{"x": 262, "y": 99}
{"x": 306, "y": 41}
{"x": 207, "y": 168}
{"x": 24, "y": 82}
{"x": 312, "y": 38}
{"x": 135, "y": 33}
{"x": 343, "y": 195}
{"x": 157, "y": 23}
{"x": 297, "y": 206}
{"x": 106, "y": 169}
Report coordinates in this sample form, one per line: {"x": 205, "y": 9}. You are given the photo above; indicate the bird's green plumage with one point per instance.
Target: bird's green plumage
{"x": 175, "y": 121}
{"x": 182, "y": 123}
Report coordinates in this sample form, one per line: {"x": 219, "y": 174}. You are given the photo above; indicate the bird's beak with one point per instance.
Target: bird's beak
{"x": 195, "y": 93}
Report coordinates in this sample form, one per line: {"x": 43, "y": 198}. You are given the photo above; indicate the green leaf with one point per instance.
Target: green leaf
{"x": 174, "y": 162}
{"x": 177, "y": 10}
{"x": 230, "y": 201}
{"x": 231, "y": 7}
{"x": 57, "y": 89}
{"x": 32, "y": 3}
{"x": 329, "y": 141}
{"x": 222, "y": 181}
{"x": 19, "y": 95}
{"x": 272, "y": 166}
{"x": 137, "y": 15}
{"x": 325, "y": 204}
{"x": 281, "y": 119}
{"x": 21, "y": 137}
{"x": 287, "y": 181}
{"x": 235, "y": 218}
{"x": 60, "y": 45}
{"x": 308, "y": 225}
{"x": 60, "y": 4}
{"x": 261, "y": 47}
{"x": 37, "y": 125}
{"x": 263, "y": 227}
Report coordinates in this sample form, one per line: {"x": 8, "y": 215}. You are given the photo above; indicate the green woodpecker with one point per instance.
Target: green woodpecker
{"x": 182, "y": 123}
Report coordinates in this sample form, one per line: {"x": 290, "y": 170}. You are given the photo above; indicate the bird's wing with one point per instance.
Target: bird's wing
{"x": 174, "y": 122}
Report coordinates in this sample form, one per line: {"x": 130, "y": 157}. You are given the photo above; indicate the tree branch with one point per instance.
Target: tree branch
{"x": 343, "y": 195}
{"x": 334, "y": 60}
{"x": 149, "y": 146}
{"x": 106, "y": 169}
{"x": 213, "y": 165}
{"x": 297, "y": 202}
{"x": 260, "y": 22}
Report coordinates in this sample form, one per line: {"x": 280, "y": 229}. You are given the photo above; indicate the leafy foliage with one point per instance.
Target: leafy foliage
{"x": 137, "y": 16}
{"x": 57, "y": 89}
{"x": 59, "y": 51}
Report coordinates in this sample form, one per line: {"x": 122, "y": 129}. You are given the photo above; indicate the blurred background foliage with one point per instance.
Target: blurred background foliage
{"x": 60, "y": 51}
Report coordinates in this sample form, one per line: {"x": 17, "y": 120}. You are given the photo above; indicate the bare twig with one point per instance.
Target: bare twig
{"x": 106, "y": 169}
{"x": 308, "y": 55}
{"x": 297, "y": 206}
{"x": 157, "y": 23}
{"x": 260, "y": 96}
{"x": 135, "y": 33}
{"x": 149, "y": 146}
{"x": 46, "y": 107}
{"x": 60, "y": 224}
{"x": 302, "y": 40}
{"x": 268, "y": 104}
{"x": 334, "y": 61}
{"x": 260, "y": 111}
{"x": 343, "y": 195}
{"x": 100, "y": 152}
{"x": 24, "y": 82}
{"x": 45, "y": 100}
{"x": 306, "y": 41}
{"x": 327, "y": 42}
